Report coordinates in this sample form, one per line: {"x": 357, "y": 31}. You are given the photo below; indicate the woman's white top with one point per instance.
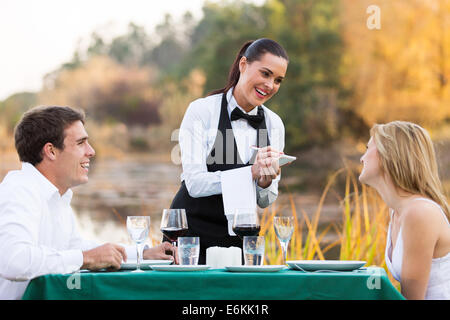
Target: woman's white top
{"x": 439, "y": 281}
{"x": 197, "y": 136}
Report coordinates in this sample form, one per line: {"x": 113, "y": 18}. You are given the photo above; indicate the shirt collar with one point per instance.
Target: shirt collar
{"x": 233, "y": 104}
{"x": 46, "y": 188}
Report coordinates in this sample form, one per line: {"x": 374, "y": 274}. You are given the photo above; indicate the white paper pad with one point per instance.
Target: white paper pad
{"x": 285, "y": 159}
{"x": 238, "y": 191}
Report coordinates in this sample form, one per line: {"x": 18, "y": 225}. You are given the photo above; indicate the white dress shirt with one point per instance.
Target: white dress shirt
{"x": 37, "y": 231}
{"x": 197, "y": 136}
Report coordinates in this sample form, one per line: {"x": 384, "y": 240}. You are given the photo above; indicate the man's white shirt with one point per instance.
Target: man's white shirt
{"x": 37, "y": 231}
{"x": 197, "y": 135}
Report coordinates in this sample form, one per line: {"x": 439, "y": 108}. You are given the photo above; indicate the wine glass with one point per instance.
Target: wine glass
{"x": 284, "y": 227}
{"x": 138, "y": 228}
{"x": 174, "y": 224}
{"x": 246, "y": 222}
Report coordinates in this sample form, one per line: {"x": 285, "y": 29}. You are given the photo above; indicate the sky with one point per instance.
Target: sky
{"x": 37, "y": 36}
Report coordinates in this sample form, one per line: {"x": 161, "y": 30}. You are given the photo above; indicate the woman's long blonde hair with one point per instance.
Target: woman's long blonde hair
{"x": 407, "y": 155}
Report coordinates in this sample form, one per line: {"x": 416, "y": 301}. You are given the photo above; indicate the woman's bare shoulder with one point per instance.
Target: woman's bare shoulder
{"x": 422, "y": 216}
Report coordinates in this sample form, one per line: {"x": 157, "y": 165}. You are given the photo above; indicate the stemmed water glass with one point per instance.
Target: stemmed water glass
{"x": 138, "y": 228}
{"x": 284, "y": 227}
{"x": 174, "y": 224}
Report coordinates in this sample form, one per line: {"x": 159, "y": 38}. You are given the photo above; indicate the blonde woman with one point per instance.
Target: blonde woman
{"x": 400, "y": 163}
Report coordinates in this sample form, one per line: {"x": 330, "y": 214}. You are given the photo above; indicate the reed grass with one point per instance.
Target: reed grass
{"x": 360, "y": 235}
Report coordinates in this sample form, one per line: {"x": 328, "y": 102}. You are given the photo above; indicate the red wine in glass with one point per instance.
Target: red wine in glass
{"x": 243, "y": 230}
{"x": 246, "y": 222}
{"x": 172, "y": 233}
{"x": 174, "y": 224}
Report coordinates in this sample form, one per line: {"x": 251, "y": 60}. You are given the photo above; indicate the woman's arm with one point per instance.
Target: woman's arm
{"x": 419, "y": 231}
{"x": 266, "y": 196}
{"x": 195, "y": 129}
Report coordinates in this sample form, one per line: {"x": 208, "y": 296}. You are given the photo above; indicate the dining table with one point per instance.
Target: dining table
{"x": 370, "y": 283}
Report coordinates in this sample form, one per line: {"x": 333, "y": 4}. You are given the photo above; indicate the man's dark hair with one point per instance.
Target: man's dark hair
{"x": 41, "y": 125}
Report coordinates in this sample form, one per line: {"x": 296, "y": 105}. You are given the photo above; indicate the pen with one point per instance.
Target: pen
{"x": 257, "y": 148}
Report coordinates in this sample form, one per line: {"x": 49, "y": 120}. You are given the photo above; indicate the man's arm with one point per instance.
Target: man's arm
{"x": 22, "y": 258}
{"x": 107, "y": 256}
{"x": 159, "y": 252}
{"x": 110, "y": 255}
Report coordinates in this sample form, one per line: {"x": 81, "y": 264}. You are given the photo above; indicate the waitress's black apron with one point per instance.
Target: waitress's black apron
{"x": 205, "y": 215}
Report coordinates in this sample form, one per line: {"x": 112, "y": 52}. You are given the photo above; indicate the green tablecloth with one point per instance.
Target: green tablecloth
{"x": 368, "y": 284}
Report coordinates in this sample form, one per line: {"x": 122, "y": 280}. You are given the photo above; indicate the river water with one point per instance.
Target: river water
{"x": 119, "y": 188}
{"x": 140, "y": 186}
{"x": 143, "y": 186}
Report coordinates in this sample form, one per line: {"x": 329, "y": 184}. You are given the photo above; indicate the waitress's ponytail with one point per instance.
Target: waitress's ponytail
{"x": 233, "y": 75}
{"x": 252, "y": 50}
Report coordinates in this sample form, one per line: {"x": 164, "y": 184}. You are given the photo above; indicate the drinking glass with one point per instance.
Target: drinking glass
{"x": 138, "y": 228}
{"x": 188, "y": 250}
{"x": 246, "y": 222}
{"x": 254, "y": 250}
{"x": 284, "y": 227}
{"x": 174, "y": 224}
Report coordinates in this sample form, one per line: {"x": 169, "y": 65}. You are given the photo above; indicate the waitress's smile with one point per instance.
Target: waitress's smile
{"x": 261, "y": 93}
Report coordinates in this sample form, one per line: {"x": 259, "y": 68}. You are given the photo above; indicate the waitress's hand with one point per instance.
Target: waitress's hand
{"x": 266, "y": 166}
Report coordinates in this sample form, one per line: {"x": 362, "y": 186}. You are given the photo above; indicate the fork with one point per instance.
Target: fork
{"x": 331, "y": 271}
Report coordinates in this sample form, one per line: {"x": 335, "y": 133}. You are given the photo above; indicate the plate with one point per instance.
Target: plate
{"x": 270, "y": 268}
{"x": 333, "y": 265}
{"x": 145, "y": 264}
{"x": 176, "y": 267}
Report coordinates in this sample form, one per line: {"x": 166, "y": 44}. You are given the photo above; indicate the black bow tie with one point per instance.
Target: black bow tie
{"x": 254, "y": 121}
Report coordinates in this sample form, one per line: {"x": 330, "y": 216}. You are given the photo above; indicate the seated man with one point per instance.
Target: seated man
{"x": 37, "y": 225}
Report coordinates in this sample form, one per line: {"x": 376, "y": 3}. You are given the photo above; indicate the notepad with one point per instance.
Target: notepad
{"x": 285, "y": 159}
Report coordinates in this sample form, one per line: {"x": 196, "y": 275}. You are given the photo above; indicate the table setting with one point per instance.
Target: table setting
{"x": 229, "y": 273}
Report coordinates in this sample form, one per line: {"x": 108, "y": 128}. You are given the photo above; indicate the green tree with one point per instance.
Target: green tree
{"x": 131, "y": 48}
{"x": 12, "y": 108}
{"x": 309, "y": 99}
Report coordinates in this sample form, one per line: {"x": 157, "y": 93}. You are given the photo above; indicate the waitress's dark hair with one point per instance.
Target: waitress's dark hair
{"x": 252, "y": 50}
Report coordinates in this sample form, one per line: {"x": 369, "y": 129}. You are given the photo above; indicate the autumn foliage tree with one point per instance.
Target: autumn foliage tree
{"x": 107, "y": 90}
{"x": 402, "y": 70}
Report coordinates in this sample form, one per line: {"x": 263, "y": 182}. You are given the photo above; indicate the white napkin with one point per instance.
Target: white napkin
{"x": 218, "y": 257}
{"x": 238, "y": 191}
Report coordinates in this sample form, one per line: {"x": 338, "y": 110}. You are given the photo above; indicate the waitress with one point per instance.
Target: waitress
{"x": 217, "y": 133}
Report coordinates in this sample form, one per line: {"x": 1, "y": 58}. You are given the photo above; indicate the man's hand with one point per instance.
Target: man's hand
{"x": 107, "y": 256}
{"x": 159, "y": 252}
{"x": 266, "y": 166}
